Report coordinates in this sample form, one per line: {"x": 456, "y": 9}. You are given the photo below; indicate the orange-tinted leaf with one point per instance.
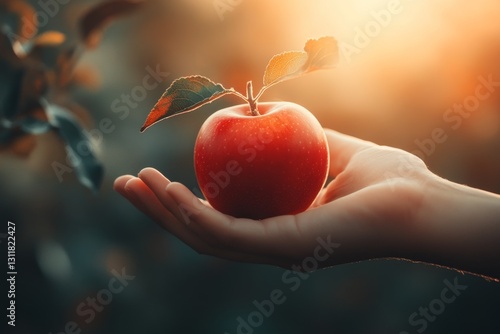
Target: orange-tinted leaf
{"x": 283, "y": 65}
{"x": 98, "y": 17}
{"x": 50, "y": 38}
{"x": 323, "y": 53}
{"x": 318, "y": 54}
{"x": 28, "y": 23}
{"x": 183, "y": 95}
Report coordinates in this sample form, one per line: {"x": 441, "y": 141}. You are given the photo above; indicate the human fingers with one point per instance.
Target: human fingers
{"x": 158, "y": 183}
{"x": 119, "y": 186}
{"x": 179, "y": 225}
{"x": 146, "y": 201}
{"x": 269, "y": 238}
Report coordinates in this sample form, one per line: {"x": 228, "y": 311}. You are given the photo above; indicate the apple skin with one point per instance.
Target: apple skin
{"x": 261, "y": 166}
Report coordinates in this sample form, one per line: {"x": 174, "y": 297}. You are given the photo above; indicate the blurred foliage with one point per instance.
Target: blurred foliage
{"x": 36, "y": 70}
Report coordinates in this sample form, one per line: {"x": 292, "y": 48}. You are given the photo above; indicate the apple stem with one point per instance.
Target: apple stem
{"x": 251, "y": 100}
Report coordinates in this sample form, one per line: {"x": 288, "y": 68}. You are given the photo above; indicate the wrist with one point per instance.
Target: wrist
{"x": 459, "y": 227}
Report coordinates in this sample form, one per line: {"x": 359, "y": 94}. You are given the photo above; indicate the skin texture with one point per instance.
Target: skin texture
{"x": 254, "y": 166}
{"x": 382, "y": 203}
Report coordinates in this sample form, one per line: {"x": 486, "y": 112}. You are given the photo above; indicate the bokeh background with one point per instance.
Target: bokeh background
{"x": 394, "y": 90}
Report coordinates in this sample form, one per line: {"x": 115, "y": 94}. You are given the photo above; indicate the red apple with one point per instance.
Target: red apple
{"x": 271, "y": 164}
{"x": 257, "y": 160}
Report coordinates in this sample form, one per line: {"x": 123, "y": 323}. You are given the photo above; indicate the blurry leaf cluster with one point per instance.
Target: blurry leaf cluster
{"x": 36, "y": 71}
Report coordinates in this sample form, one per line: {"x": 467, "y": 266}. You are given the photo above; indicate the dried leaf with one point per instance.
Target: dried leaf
{"x": 98, "y": 17}
{"x": 184, "y": 95}
{"x": 319, "y": 54}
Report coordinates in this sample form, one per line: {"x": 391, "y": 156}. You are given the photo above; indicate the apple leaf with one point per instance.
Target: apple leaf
{"x": 184, "y": 95}
{"x": 283, "y": 65}
{"x": 323, "y": 53}
{"x": 318, "y": 54}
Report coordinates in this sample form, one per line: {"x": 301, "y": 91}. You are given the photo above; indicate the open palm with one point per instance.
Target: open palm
{"x": 366, "y": 212}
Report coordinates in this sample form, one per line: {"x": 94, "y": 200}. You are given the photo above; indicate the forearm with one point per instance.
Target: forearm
{"x": 460, "y": 228}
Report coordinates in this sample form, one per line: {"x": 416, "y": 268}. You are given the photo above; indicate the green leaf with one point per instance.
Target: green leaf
{"x": 29, "y": 124}
{"x": 184, "y": 95}
{"x": 89, "y": 170}
{"x": 34, "y": 126}
{"x": 318, "y": 54}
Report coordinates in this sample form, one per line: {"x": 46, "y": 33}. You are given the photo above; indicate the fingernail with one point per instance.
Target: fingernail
{"x": 143, "y": 171}
{"x": 129, "y": 188}
{"x": 168, "y": 185}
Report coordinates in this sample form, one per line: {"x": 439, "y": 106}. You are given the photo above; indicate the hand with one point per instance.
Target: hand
{"x": 382, "y": 203}
{"x": 367, "y": 209}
